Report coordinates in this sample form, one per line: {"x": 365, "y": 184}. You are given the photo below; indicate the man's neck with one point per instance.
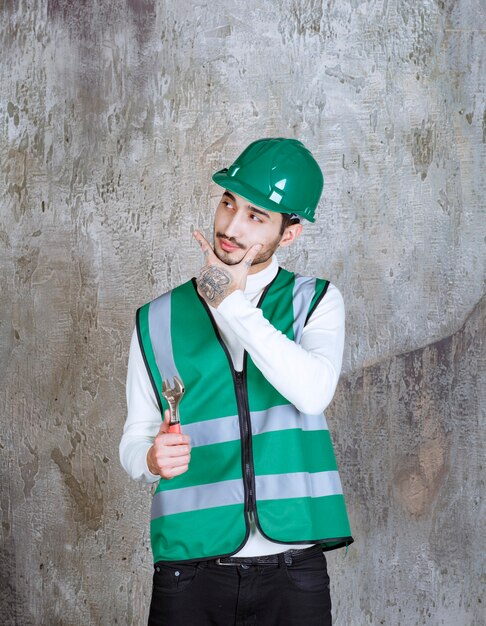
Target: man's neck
{"x": 258, "y": 267}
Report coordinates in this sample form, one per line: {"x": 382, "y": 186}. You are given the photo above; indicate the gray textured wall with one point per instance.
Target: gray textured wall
{"x": 113, "y": 116}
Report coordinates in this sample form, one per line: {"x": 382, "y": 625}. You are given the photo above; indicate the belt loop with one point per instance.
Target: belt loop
{"x": 288, "y": 557}
{"x": 282, "y": 561}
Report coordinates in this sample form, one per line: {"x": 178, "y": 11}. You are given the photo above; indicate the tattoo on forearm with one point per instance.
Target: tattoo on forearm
{"x": 213, "y": 282}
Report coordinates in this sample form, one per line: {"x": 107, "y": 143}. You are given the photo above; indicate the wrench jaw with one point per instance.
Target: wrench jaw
{"x": 173, "y": 395}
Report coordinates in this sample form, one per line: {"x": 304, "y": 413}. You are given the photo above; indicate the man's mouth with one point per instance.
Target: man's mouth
{"x": 227, "y": 245}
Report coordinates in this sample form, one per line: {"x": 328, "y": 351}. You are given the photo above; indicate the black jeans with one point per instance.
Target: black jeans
{"x": 208, "y": 594}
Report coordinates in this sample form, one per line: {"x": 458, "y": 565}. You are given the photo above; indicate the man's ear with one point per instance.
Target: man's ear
{"x": 290, "y": 235}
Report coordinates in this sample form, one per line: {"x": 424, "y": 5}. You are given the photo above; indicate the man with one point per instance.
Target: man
{"x": 249, "y": 494}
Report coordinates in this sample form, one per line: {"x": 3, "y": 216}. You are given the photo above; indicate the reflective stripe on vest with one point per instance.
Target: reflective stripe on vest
{"x": 304, "y": 288}
{"x": 159, "y": 320}
{"x": 282, "y": 417}
{"x": 225, "y": 493}
{"x": 195, "y": 498}
{"x": 298, "y": 485}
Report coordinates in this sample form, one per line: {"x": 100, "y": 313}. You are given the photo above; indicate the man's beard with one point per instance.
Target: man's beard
{"x": 261, "y": 257}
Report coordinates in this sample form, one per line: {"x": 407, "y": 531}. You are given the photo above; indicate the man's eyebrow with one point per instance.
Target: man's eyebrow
{"x": 251, "y": 208}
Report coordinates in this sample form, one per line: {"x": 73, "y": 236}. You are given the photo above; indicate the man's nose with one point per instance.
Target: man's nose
{"x": 233, "y": 227}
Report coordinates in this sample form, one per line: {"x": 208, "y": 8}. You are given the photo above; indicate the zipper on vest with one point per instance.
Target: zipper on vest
{"x": 245, "y": 427}
{"x": 241, "y": 388}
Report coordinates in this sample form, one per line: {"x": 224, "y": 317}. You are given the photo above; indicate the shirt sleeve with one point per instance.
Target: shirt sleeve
{"x": 143, "y": 417}
{"x": 307, "y": 373}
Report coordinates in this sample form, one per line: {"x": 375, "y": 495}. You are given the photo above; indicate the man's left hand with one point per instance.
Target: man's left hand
{"x": 217, "y": 280}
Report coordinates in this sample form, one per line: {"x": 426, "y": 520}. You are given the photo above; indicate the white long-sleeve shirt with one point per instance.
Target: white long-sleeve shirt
{"x": 306, "y": 373}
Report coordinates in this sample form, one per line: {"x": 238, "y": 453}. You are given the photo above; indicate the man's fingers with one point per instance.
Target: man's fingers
{"x": 171, "y": 466}
{"x": 164, "y": 427}
{"x": 179, "y": 461}
{"x": 170, "y": 453}
{"x": 173, "y": 452}
{"x": 172, "y": 439}
{"x": 205, "y": 245}
{"x": 249, "y": 257}
{"x": 175, "y": 471}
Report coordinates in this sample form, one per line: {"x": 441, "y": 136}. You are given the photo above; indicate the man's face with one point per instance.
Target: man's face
{"x": 238, "y": 225}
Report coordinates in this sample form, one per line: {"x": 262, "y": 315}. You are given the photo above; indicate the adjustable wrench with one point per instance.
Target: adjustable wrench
{"x": 173, "y": 395}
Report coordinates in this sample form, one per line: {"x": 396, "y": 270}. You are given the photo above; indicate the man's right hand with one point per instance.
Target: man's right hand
{"x": 170, "y": 453}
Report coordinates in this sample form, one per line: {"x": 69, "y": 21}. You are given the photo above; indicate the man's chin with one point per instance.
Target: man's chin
{"x": 229, "y": 258}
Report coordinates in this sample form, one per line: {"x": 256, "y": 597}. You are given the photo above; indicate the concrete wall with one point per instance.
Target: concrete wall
{"x": 113, "y": 117}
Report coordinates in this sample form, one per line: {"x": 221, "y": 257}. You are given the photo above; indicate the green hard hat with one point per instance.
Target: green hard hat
{"x": 276, "y": 174}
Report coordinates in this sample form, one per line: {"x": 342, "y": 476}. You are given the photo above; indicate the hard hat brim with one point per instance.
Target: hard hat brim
{"x": 252, "y": 195}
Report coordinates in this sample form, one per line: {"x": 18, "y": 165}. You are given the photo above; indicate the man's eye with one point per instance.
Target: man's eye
{"x": 227, "y": 204}
{"x": 255, "y": 218}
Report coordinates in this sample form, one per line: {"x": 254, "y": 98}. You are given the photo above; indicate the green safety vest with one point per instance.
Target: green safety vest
{"x": 252, "y": 451}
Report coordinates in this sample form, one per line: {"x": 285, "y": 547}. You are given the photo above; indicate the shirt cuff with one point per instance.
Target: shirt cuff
{"x": 151, "y": 478}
